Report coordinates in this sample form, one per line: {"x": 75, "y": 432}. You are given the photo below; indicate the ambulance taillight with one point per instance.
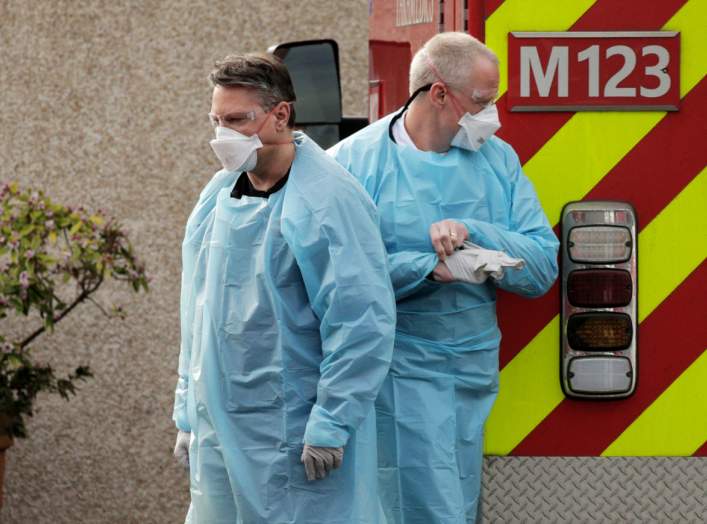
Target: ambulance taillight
{"x": 599, "y": 289}
{"x": 595, "y": 288}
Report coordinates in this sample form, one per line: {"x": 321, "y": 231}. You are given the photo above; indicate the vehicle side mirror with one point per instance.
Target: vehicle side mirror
{"x": 314, "y": 69}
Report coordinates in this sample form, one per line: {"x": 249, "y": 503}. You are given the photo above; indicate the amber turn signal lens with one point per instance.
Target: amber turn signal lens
{"x": 599, "y": 331}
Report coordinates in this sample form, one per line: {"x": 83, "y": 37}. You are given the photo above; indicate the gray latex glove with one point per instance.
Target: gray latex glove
{"x": 475, "y": 264}
{"x": 181, "y": 448}
{"x": 320, "y": 461}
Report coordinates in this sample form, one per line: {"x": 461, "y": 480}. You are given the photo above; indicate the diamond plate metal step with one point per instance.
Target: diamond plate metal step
{"x": 594, "y": 490}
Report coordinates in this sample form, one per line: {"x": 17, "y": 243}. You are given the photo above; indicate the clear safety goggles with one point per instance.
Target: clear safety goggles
{"x": 233, "y": 120}
{"x": 478, "y": 97}
{"x": 482, "y": 99}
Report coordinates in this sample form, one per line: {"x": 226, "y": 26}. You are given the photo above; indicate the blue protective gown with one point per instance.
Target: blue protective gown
{"x": 287, "y": 316}
{"x": 444, "y": 376}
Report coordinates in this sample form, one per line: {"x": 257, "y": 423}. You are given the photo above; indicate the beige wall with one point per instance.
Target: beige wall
{"x": 104, "y": 104}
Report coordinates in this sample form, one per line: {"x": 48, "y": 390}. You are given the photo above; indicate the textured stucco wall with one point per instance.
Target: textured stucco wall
{"x": 104, "y": 104}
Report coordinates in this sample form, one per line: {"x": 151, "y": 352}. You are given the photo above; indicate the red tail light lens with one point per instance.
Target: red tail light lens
{"x": 599, "y": 288}
{"x": 599, "y": 331}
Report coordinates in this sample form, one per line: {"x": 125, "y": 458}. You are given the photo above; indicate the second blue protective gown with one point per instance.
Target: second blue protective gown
{"x": 444, "y": 376}
{"x": 287, "y": 333}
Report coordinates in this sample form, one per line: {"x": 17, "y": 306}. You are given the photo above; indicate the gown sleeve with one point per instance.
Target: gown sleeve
{"x": 408, "y": 269}
{"x": 338, "y": 249}
{"x": 529, "y": 237}
{"x": 197, "y": 227}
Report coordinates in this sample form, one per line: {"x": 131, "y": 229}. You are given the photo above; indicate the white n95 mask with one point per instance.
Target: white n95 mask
{"x": 236, "y": 151}
{"x": 477, "y": 129}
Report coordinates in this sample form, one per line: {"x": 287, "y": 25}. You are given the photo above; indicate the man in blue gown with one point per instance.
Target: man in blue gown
{"x": 439, "y": 178}
{"x": 287, "y": 316}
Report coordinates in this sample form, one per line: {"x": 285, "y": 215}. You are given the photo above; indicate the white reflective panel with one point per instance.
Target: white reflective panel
{"x": 601, "y": 375}
{"x": 599, "y": 244}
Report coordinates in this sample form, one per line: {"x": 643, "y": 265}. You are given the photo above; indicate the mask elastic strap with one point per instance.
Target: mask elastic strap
{"x": 261, "y": 126}
{"x": 436, "y": 72}
{"x": 419, "y": 90}
{"x": 434, "y": 68}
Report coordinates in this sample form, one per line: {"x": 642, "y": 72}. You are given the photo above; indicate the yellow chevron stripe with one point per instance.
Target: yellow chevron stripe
{"x": 678, "y": 232}
{"x": 675, "y": 424}
{"x": 578, "y": 156}
{"x": 528, "y": 15}
{"x": 529, "y": 385}
{"x": 690, "y": 21}
{"x": 529, "y": 389}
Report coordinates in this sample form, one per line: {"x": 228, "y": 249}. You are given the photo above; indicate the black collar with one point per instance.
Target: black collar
{"x": 244, "y": 187}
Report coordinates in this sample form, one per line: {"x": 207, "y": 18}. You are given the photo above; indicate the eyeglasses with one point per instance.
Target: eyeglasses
{"x": 485, "y": 101}
{"x": 480, "y": 98}
{"x": 232, "y": 120}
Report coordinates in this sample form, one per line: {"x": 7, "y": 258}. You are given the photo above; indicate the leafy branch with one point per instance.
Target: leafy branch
{"x": 45, "y": 249}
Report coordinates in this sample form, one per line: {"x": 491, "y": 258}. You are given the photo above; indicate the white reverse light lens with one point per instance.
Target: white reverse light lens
{"x": 599, "y": 244}
{"x": 597, "y": 375}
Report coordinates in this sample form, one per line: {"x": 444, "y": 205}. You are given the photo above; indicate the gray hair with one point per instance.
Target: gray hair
{"x": 263, "y": 73}
{"x": 453, "y": 54}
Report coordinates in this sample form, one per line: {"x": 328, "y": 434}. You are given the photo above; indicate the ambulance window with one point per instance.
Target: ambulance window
{"x": 314, "y": 69}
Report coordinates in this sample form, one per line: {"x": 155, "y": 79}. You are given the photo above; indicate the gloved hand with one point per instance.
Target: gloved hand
{"x": 320, "y": 461}
{"x": 475, "y": 264}
{"x": 441, "y": 273}
{"x": 181, "y": 448}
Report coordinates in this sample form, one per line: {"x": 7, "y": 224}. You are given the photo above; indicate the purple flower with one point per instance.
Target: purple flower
{"x": 7, "y": 348}
{"x": 24, "y": 280}
{"x": 29, "y": 253}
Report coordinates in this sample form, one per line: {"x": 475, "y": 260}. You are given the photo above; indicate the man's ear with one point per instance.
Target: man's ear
{"x": 438, "y": 94}
{"x": 281, "y": 112}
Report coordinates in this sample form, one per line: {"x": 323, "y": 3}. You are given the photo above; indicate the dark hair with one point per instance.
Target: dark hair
{"x": 264, "y": 73}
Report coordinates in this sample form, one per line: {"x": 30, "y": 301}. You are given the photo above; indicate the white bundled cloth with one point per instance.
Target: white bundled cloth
{"x": 474, "y": 264}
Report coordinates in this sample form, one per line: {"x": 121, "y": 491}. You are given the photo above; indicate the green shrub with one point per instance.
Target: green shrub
{"x": 52, "y": 258}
